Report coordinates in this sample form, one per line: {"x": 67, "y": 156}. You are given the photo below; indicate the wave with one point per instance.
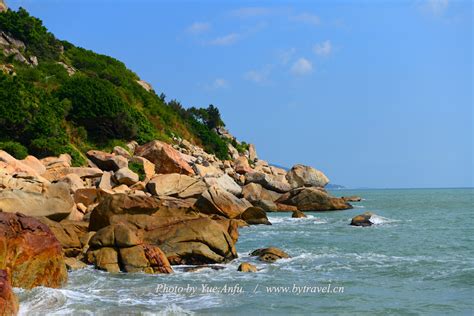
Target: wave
{"x": 308, "y": 218}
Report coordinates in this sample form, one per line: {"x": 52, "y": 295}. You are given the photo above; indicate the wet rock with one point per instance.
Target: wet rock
{"x": 30, "y": 253}
{"x": 305, "y": 176}
{"x": 298, "y": 214}
{"x": 270, "y": 255}
{"x": 74, "y": 264}
{"x": 362, "y": 220}
{"x": 165, "y": 157}
{"x": 202, "y": 267}
{"x": 247, "y": 267}
{"x": 255, "y": 216}
{"x": 352, "y": 198}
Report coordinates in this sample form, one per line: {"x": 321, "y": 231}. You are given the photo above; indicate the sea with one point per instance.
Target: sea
{"x": 417, "y": 259}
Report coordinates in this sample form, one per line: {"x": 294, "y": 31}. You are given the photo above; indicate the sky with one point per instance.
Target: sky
{"x": 373, "y": 93}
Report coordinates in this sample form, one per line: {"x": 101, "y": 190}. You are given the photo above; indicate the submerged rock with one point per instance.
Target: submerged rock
{"x": 298, "y": 214}
{"x": 247, "y": 267}
{"x": 30, "y": 253}
{"x": 362, "y": 219}
{"x": 270, "y": 255}
{"x": 352, "y": 198}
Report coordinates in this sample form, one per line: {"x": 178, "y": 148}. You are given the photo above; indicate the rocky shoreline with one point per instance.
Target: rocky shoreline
{"x": 141, "y": 209}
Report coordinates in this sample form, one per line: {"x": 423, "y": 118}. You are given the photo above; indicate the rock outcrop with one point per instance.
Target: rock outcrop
{"x": 218, "y": 201}
{"x": 255, "y": 216}
{"x": 270, "y": 255}
{"x": 313, "y": 199}
{"x": 363, "y": 220}
{"x": 30, "y": 253}
{"x": 305, "y": 176}
{"x": 177, "y": 185}
{"x": 8, "y": 300}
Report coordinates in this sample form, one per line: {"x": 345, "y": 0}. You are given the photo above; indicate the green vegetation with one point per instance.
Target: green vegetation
{"x": 45, "y": 111}
{"x": 138, "y": 169}
{"x": 15, "y": 149}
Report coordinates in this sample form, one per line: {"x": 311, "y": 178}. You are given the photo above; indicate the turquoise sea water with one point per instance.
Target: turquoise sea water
{"x": 419, "y": 259}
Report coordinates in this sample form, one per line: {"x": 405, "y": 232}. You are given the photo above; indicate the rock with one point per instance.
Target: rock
{"x": 177, "y": 185}
{"x": 362, "y": 220}
{"x": 305, "y": 176}
{"x": 202, "y": 267}
{"x": 352, "y": 198}
{"x": 298, "y": 214}
{"x": 106, "y": 161}
{"x": 285, "y": 208}
{"x": 105, "y": 259}
{"x": 87, "y": 196}
{"x": 218, "y": 201}
{"x": 225, "y": 182}
{"x": 118, "y": 204}
{"x": 120, "y": 151}
{"x": 30, "y": 253}
{"x": 266, "y": 205}
{"x": 106, "y": 181}
{"x": 247, "y": 267}
{"x": 35, "y": 164}
{"x": 63, "y": 161}
{"x": 269, "y": 182}
{"x": 16, "y": 166}
{"x": 8, "y": 300}
{"x": 254, "y": 192}
{"x": 185, "y": 239}
{"x": 69, "y": 69}
{"x": 252, "y": 153}
{"x": 69, "y": 234}
{"x": 21, "y": 182}
{"x": 73, "y": 181}
{"x": 54, "y": 202}
{"x": 233, "y": 153}
{"x": 148, "y": 167}
{"x": 3, "y": 7}
{"x": 74, "y": 264}
{"x": 209, "y": 171}
{"x": 270, "y": 254}
{"x": 126, "y": 176}
{"x": 255, "y": 216}
{"x": 55, "y": 174}
{"x": 241, "y": 165}
{"x": 166, "y": 158}
{"x": 313, "y": 199}
{"x": 145, "y": 85}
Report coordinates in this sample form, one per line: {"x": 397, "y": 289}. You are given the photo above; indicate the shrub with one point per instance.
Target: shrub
{"x": 15, "y": 149}
{"x": 138, "y": 169}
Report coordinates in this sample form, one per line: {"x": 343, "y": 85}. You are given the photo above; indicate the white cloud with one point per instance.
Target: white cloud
{"x": 259, "y": 76}
{"x": 251, "y": 12}
{"x": 285, "y": 56}
{"x": 225, "y": 40}
{"x": 218, "y": 84}
{"x": 199, "y": 27}
{"x": 307, "y": 18}
{"x": 301, "y": 67}
{"x": 436, "y": 7}
{"x": 323, "y": 49}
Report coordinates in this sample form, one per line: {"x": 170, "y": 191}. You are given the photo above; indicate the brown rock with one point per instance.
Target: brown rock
{"x": 68, "y": 233}
{"x": 270, "y": 254}
{"x": 74, "y": 264}
{"x": 105, "y": 259}
{"x": 247, "y": 267}
{"x": 73, "y": 181}
{"x": 298, "y": 214}
{"x": 148, "y": 167}
{"x": 269, "y": 182}
{"x": 313, "y": 199}
{"x": 255, "y": 216}
{"x": 305, "y": 176}
{"x": 362, "y": 220}
{"x": 54, "y": 202}
{"x": 126, "y": 176}
{"x": 218, "y": 201}
{"x": 117, "y": 204}
{"x": 177, "y": 185}
{"x": 352, "y": 198}
{"x": 35, "y": 164}
{"x": 55, "y": 174}
{"x": 30, "y": 253}
{"x": 241, "y": 165}
{"x": 166, "y": 158}
{"x": 106, "y": 161}
{"x": 8, "y": 300}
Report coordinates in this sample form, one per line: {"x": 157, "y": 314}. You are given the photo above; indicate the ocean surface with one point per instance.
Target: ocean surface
{"x": 417, "y": 260}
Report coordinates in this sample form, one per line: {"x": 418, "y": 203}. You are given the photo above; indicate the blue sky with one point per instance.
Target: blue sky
{"x": 373, "y": 93}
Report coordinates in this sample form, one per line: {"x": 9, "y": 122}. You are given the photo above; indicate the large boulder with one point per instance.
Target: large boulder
{"x": 147, "y": 166}
{"x": 30, "y": 253}
{"x": 165, "y": 157}
{"x": 54, "y": 202}
{"x": 177, "y": 185}
{"x": 226, "y": 183}
{"x": 126, "y": 176}
{"x": 218, "y": 201}
{"x": 252, "y": 153}
{"x": 121, "y": 203}
{"x": 106, "y": 161}
{"x": 8, "y": 300}
{"x": 305, "y": 176}
{"x": 70, "y": 234}
{"x": 313, "y": 199}
{"x": 13, "y": 165}
{"x": 270, "y": 182}
{"x": 185, "y": 239}
{"x": 270, "y": 255}
{"x": 120, "y": 243}
{"x": 55, "y": 174}
{"x": 255, "y": 216}
{"x": 254, "y": 192}
{"x": 241, "y": 165}
{"x": 207, "y": 171}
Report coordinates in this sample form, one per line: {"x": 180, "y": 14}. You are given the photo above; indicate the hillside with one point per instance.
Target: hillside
{"x": 58, "y": 98}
